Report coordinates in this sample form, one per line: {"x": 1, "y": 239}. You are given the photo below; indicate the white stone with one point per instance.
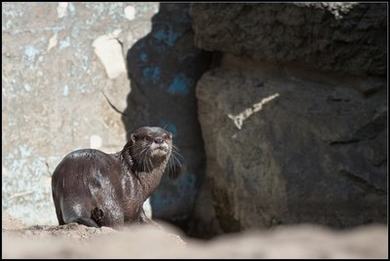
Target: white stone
{"x": 4, "y": 171}
{"x": 62, "y": 9}
{"x": 95, "y": 141}
{"x": 130, "y": 12}
{"x": 52, "y": 42}
{"x": 27, "y": 87}
{"x": 109, "y": 51}
{"x": 66, "y": 90}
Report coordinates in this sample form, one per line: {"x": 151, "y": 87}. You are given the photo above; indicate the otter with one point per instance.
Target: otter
{"x": 96, "y": 189}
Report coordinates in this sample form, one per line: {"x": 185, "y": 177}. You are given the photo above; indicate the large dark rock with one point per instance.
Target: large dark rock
{"x": 282, "y": 148}
{"x": 343, "y": 37}
{"x": 163, "y": 68}
{"x": 294, "y": 120}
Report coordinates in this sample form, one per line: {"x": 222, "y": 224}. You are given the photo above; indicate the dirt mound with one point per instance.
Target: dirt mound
{"x": 138, "y": 241}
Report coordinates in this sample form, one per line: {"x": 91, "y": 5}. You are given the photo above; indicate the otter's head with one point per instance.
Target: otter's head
{"x": 150, "y": 146}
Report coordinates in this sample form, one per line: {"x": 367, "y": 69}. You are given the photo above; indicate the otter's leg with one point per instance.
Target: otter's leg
{"x": 93, "y": 221}
{"x": 97, "y": 215}
{"x": 58, "y": 209}
{"x": 59, "y": 216}
{"x": 89, "y": 222}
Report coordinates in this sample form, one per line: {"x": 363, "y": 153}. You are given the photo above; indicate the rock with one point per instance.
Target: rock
{"x": 52, "y": 42}
{"x": 62, "y": 9}
{"x": 293, "y": 120}
{"x": 163, "y": 68}
{"x": 138, "y": 241}
{"x": 294, "y": 116}
{"x": 130, "y": 12}
{"x": 72, "y": 231}
{"x": 109, "y": 51}
{"x": 54, "y": 88}
{"x": 10, "y": 223}
{"x": 342, "y": 37}
{"x": 313, "y": 152}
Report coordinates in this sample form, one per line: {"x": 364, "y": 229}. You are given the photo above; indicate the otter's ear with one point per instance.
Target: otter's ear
{"x": 132, "y": 138}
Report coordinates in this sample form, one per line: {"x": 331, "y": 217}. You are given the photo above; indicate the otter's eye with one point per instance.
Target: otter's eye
{"x": 148, "y": 138}
{"x": 167, "y": 136}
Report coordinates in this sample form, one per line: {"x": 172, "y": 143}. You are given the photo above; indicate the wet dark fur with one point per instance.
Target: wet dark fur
{"x": 97, "y": 189}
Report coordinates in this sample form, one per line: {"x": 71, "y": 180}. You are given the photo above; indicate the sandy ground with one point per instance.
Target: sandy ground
{"x": 78, "y": 241}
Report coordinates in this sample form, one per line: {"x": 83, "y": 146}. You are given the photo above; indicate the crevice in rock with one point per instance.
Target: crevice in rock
{"x": 163, "y": 68}
{"x": 113, "y": 106}
{"x": 368, "y": 131}
{"x": 344, "y": 142}
{"x": 362, "y": 183}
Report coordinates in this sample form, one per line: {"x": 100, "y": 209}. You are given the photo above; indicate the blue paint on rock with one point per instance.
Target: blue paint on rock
{"x": 72, "y": 9}
{"x": 169, "y": 127}
{"x": 164, "y": 202}
{"x": 30, "y": 53}
{"x": 143, "y": 56}
{"x": 180, "y": 85}
{"x": 169, "y": 37}
{"x": 152, "y": 74}
{"x": 161, "y": 201}
{"x": 65, "y": 43}
{"x": 25, "y": 151}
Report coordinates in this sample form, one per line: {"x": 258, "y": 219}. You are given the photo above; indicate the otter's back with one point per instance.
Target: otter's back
{"x": 79, "y": 171}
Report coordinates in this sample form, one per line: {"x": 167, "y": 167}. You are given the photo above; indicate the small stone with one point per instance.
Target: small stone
{"x": 52, "y": 42}
{"x": 130, "y": 12}
{"x": 109, "y": 51}
{"x": 66, "y": 90}
{"x": 96, "y": 141}
{"x": 27, "y": 87}
{"x": 62, "y": 9}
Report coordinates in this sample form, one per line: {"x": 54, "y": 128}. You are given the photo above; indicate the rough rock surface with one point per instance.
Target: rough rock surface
{"x": 74, "y": 93}
{"x": 294, "y": 119}
{"x": 164, "y": 67}
{"x": 343, "y": 37}
{"x": 77, "y": 241}
{"x": 53, "y": 87}
{"x": 9, "y": 222}
{"x": 313, "y": 152}
{"x": 284, "y": 143}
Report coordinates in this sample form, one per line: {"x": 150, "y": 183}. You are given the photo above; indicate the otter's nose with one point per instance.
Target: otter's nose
{"x": 158, "y": 140}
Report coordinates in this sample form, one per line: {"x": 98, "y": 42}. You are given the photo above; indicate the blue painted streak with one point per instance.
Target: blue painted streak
{"x": 184, "y": 191}
{"x": 143, "y": 56}
{"x": 152, "y": 74}
{"x": 180, "y": 85}
{"x": 169, "y": 127}
{"x": 168, "y": 37}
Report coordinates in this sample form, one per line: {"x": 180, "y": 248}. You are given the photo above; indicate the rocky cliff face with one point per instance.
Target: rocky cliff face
{"x": 342, "y": 37}
{"x": 294, "y": 118}
{"x": 283, "y": 106}
{"x": 59, "y": 61}
{"x": 84, "y": 75}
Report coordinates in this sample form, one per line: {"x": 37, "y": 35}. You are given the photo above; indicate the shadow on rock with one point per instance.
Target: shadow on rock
{"x": 163, "y": 69}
